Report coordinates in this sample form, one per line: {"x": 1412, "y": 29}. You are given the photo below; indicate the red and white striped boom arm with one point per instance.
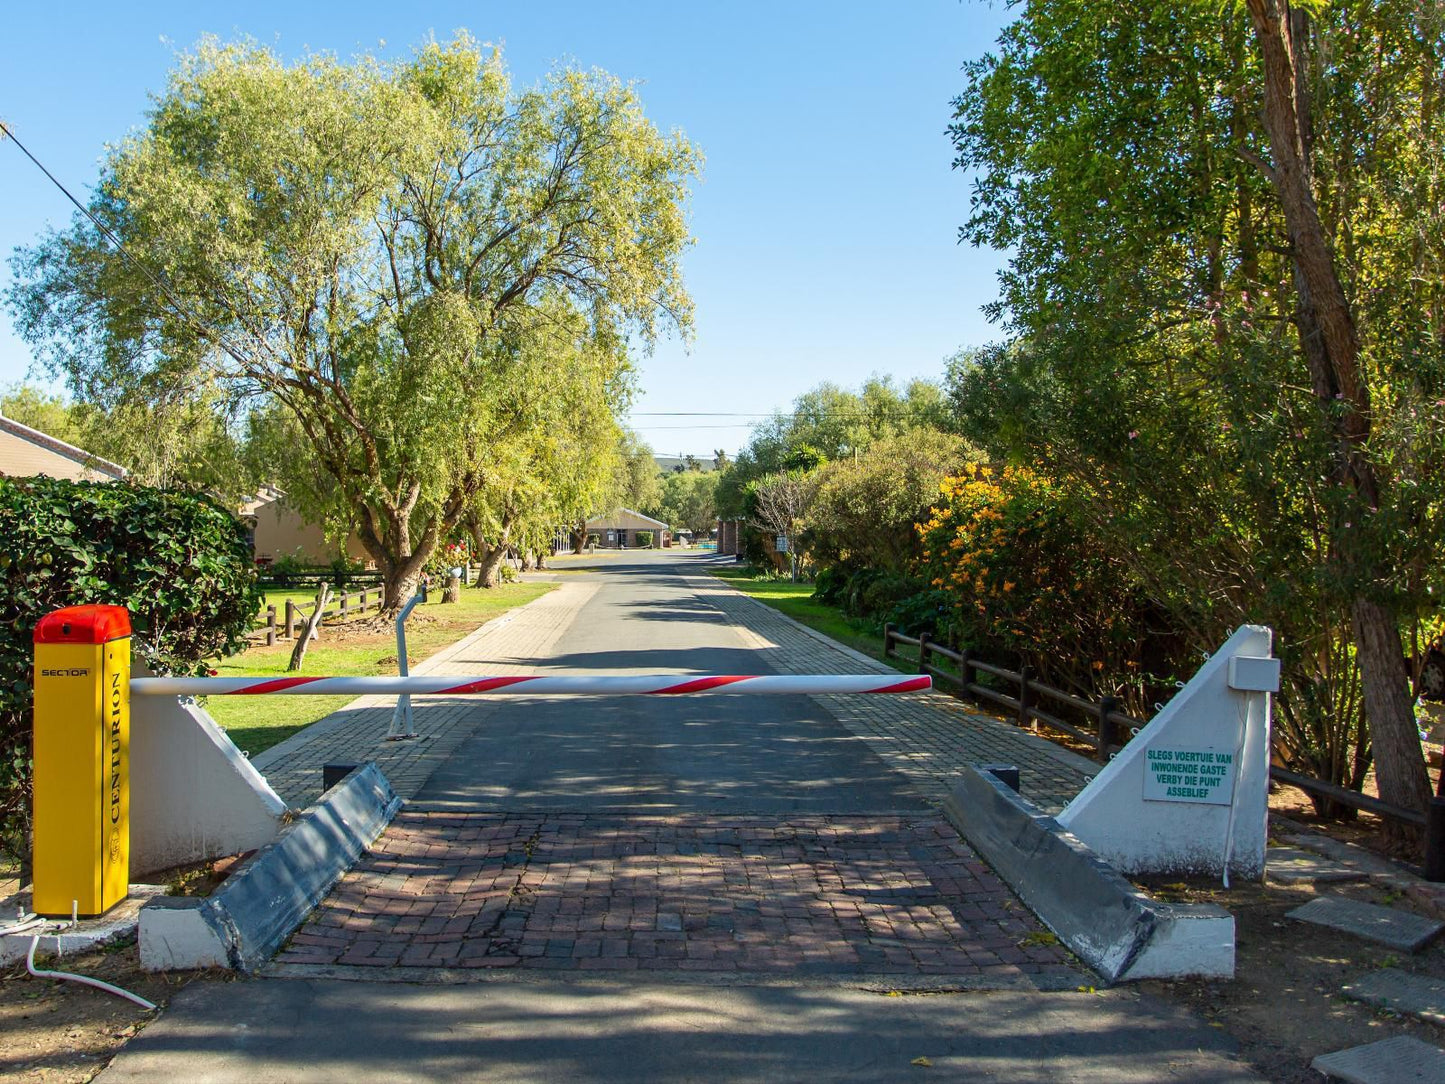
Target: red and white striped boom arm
{"x": 669, "y": 685}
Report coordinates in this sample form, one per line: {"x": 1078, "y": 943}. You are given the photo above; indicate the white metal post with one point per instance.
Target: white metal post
{"x": 401, "y": 725}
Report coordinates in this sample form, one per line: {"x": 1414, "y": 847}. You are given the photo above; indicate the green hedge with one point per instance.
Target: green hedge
{"x": 179, "y": 562}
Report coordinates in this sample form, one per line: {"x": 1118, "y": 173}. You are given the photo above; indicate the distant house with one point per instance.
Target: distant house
{"x": 27, "y": 453}
{"x": 277, "y": 530}
{"x": 619, "y": 530}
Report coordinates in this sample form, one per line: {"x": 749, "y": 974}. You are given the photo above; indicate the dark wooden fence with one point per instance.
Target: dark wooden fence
{"x": 1027, "y": 700}
{"x": 1112, "y": 728}
{"x": 339, "y": 609}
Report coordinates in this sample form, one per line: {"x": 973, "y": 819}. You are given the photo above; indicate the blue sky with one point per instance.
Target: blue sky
{"x": 826, "y": 220}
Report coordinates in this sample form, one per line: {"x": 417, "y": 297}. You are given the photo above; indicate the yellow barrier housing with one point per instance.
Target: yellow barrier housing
{"x": 82, "y": 761}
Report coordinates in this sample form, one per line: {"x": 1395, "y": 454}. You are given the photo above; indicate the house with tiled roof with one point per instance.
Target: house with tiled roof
{"x": 26, "y": 453}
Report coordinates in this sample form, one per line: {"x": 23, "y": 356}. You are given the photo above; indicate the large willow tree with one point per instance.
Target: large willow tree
{"x": 1227, "y": 300}
{"x": 362, "y": 246}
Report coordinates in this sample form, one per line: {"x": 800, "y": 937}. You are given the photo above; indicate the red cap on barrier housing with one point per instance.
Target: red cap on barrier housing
{"x": 83, "y": 625}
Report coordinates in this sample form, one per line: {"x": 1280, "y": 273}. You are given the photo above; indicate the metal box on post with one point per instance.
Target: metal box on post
{"x": 82, "y": 760}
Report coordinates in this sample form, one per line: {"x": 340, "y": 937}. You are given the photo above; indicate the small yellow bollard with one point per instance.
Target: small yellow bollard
{"x": 82, "y": 761}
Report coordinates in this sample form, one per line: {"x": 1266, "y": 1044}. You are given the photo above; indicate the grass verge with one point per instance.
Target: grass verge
{"x": 257, "y": 723}
{"x": 796, "y": 601}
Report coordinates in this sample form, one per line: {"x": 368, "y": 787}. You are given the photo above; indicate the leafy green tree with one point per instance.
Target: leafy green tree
{"x": 168, "y": 443}
{"x": 866, "y": 508}
{"x": 541, "y": 470}
{"x": 361, "y": 246}
{"x": 687, "y": 501}
{"x": 1227, "y": 322}
{"x": 828, "y": 423}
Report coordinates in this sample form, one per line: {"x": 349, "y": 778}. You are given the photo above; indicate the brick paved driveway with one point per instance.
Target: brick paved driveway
{"x": 771, "y": 837}
{"x": 849, "y": 895}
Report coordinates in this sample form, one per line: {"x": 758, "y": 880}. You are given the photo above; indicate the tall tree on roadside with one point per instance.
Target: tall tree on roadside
{"x": 1330, "y": 345}
{"x": 1227, "y": 303}
{"x": 353, "y": 243}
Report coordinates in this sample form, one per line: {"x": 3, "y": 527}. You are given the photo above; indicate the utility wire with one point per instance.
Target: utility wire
{"x": 825, "y": 415}
{"x": 180, "y": 307}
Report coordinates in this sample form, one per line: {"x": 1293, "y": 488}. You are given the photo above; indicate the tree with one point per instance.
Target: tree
{"x": 1168, "y": 301}
{"x": 827, "y": 423}
{"x": 780, "y": 504}
{"x": 540, "y": 471}
{"x": 1330, "y": 346}
{"x": 687, "y": 501}
{"x": 866, "y": 508}
{"x": 362, "y": 246}
{"x": 186, "y": 443}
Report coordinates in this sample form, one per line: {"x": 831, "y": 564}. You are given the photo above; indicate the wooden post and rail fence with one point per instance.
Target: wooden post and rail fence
{"x": 286, "y": 625}
{"x": 1020, "y": 696}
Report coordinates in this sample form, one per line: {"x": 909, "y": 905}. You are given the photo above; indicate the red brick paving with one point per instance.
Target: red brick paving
{"x": 863, "y": 895}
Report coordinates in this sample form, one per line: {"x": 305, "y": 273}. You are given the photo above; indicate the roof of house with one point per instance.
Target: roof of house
{"x": 626, "y": 518}
{"x": 26, "y": 452}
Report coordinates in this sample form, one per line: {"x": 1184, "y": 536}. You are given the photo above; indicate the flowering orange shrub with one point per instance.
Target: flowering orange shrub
{"x": 1027, "y": 577}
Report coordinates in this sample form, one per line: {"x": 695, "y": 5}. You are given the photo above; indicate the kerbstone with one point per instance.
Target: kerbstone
{"x": 1401, "y": 1060}
{"x": 1401, "y": 992}
{"x": 1386, "y": 926}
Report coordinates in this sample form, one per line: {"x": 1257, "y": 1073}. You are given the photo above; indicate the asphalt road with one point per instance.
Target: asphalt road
{"x": 630, "y": 755}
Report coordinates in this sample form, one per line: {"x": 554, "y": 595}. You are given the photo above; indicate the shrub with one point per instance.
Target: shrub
{"x": 1025, "y": 574}
{"x": 830, "y": 584}
{"x": 179, "y": 562}
{"x": 343, "y": 571}
{"x": 644, "y": 539}
{"x": 922, "y": 612}
{"x": 286, "y": 570}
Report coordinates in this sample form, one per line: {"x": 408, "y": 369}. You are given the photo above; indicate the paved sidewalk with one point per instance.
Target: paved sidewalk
{"x": 510, "y": 644}
{"x": 929, "y": 737}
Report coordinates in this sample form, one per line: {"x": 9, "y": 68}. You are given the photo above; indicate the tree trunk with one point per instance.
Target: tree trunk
{"x": 453, "y": 592}
{"x": 526, "y": 560}
{"x": 1399, "y": 763}
{"x": 490, "y": 563}
{"x": 386, "y": 536}
{"x": 401, "y": 581}
{"x": 541, "y": 560}
{"x": 298, "y": 651}
{"x": 1331, "y": 348}
{"x": 579, "y": 537}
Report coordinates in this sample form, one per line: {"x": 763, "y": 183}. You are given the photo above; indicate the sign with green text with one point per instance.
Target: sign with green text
{"x": 1188, "y": 775}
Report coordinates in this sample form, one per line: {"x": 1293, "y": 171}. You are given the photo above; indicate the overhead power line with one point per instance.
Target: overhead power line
{"x": 881, "y": 415}
{"x": 181, "y": 308}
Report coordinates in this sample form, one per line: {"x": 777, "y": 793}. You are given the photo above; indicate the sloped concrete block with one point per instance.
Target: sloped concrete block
{"x": 1401, "y": 992}
{"x": 1139, "y": 818}
{"x": 1112, "y": 926}
{"x": 194, "y": 796}
{"x": 243, "y": 924}
{"x": 1293, "y": 865}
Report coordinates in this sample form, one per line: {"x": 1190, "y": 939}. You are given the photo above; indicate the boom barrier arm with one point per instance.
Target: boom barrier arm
{"x": 426, "y": 685}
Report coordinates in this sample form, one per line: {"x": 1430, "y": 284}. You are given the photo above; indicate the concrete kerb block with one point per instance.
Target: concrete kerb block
{"x": 243, "y": 924}
{"x": 1116, "y": 929}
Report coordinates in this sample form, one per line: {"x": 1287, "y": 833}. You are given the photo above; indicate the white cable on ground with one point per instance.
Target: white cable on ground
{"x": 107, "y": 987}
{"x": 25, "y": 922}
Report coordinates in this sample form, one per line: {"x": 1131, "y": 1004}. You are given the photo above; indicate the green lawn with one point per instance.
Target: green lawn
{"x": 796, "y": 600}
{"x": 257, "y": 723}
